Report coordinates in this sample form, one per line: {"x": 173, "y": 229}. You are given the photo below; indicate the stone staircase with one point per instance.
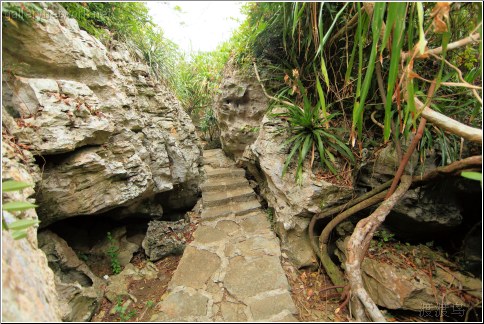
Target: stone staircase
{"x": 231, "y": 271}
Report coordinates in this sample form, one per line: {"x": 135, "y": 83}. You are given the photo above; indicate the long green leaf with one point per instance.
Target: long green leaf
{"x": 398, "y": 9}
{"x": 391, "y": 17}
{"x": 303, "y": 152}
{"x": 339, "y": 146}
{"x": 422, "y": 41}
{"x": 322, "y": 155}
{"x": 294, "y": 149}
{"x": 472, "y": 175}
{"x": 12, "y": 185}
{"x": 377, "y": 21}
{"x": 324, "y": 71}
{"x": 17, "y": 235}
{"x": 17, "y": 206}
{"x": 22, "y": 224}
{"x": 321, "y": 97}
{"x": 328, "y": 33}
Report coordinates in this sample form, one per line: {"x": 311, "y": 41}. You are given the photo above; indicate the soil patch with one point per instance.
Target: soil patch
{"x": 146, "y": 293}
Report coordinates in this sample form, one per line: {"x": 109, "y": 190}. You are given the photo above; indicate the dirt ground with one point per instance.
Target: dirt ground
{"x": 146, "y": 292}
{"x": 314, "y": 304}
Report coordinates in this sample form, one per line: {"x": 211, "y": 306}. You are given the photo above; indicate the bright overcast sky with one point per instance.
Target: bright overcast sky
{"x": 197, "y": 25}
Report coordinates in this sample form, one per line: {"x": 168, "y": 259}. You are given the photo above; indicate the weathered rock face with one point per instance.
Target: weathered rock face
{"x": 392, "y": 283}
{"x": 79, "y": 290}
{"x": 125, "y": 248}
{"x": 164, "y": 238}
{"x": 293, "y": 205}
{"x": 111, "y": 135}
{"x": 423, "y": 213}
{"x": 239, "y": 109}
{"x": 28, "y": 289}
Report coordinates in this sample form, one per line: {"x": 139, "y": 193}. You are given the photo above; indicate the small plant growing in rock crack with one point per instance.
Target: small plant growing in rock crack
{"x": 310, "y": 133}
{"x": 82, "y": 256}
{"x": 121, "y": 311}
{"x": 270, "y": 217}
{"x": 113, "y": 252}
{"x": 384, "y": 236}
{"x": 150, "y": 303}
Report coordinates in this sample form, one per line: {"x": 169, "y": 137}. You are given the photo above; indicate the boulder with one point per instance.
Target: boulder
{"x": 164, "y": 238}
{"x": 79, "y": 290}
{"x": 107, "y": 132}
{"x": 28, "y": 288}
{"x": 427, "y": 212}
{"x": 125, "y": 248}
{"x": 239, "y": 108}
{"x": 293, "y": 205}
{"x": 392, "y": 282}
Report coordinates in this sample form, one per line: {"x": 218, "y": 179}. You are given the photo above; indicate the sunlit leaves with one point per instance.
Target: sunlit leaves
{"x": 17, "y": 228}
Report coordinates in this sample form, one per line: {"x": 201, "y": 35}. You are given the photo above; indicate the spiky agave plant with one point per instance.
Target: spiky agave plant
{"x": 310, "y": 132}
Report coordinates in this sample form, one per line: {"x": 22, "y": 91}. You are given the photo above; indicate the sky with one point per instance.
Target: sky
{"x": 197, "y": 25}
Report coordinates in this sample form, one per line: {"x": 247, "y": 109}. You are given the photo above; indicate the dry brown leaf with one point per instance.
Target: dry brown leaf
{"x": 440, "y": 13}
{"x": 412, "y": 75}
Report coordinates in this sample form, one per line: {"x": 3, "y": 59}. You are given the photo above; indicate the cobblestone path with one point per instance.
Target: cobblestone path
{"x": 231, "y": 271}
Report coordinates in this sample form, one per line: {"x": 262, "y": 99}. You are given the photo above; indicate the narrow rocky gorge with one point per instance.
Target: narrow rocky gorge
{"x": 129, "y": 198}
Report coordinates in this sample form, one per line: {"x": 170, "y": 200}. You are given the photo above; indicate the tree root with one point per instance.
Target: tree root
{"x": 332, "y": 270}
{"x": 356, "y": 249}
{"x": 364, "y": 201}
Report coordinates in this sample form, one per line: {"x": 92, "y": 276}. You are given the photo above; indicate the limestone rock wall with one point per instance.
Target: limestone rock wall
{"x": 107, "y": 134}
{"x": 28, "y": 289}
{"x": 239, "y": 108}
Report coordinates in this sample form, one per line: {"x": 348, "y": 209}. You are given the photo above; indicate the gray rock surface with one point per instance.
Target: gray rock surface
{"x": 239, "y": 108}
{"x": 118, "y": 285}
{"x": 100, "y": 121}
{"x": 392, "y": 283}
{"x": 28, "y": 288}
{"x": 79, "y": 290}
{"x": 423, "y": 213}
{"x": 232, "y": 270}
{"x": 164, "y": 238}
{"x": 125, "y": 248}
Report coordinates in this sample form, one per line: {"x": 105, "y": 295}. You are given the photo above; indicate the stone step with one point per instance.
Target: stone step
{"x": 218, "y": 198}
{"x": 223, "y": 184}
{"x": 213, "y": 152}
{"x": 238, "y": 208}
{"x": 225, "y": 173}
{"x": 218, "y": 162}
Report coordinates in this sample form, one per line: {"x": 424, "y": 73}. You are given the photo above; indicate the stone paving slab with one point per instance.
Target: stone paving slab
{"x": 223, "y": 184}
{"x": 237, "y": 208}
{"x": 222, "y": 197}
{"x": 231, "y": 271}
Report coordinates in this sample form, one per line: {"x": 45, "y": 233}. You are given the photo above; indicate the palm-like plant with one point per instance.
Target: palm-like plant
{"x": 310, "y": 132}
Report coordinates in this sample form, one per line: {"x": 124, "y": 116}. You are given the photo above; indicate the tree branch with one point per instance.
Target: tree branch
{"x": 269, "y": 96}
{"x": 448, "y": 124}
{"x": 473, "y": 38}
{"x": 455, "y": 167}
